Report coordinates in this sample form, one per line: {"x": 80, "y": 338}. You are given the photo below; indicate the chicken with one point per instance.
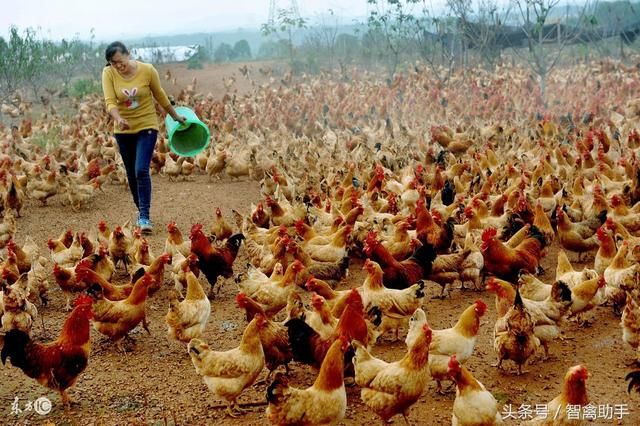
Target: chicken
{"x": 429, "y": 232}
{"x": 180, "y": 266}
{"x": 273, "y": 296}
{"x": 546, "y": 315}
{"x": 115, "y": 319}
{"x": 101, "y": 262}
{"x": 606, "y": 252}
{"x": 336, "y": 299}
{"x": 532, "y": 288}
{"x": 220, "y": 228}
{"x": 568, "y": 275}
{"x": 472, "y": 265}
{"x": 474, "y": 404}
{"x": 445, "y": 269}
{"x": 26, "y": 254}
{"x": 66, "y": 279}
{"x": 273, "y": 336}
{"x": 213, "y": 261}
{"x": 517, "y": 341}
{"x": 575, "y": 238}
{"x": 574, "y": 393}
{"x": 188, "y": 318}
{"x": 334, "y": 251}
{"x": 585, "y": 295}
{"x": 396, "y": 306}
{"x": 620, "y": 275}
{"x": 309, "y": 348}
{"x": 175, "y": 243}
{"x": 257, "y": 281}
{"x": 18, "y": 312}
{"x": 320, "y": 318}
{"x": 156, "y": 270}
{"x": 120, "y": 248}
{"x": 403, "y": 274}
{"x": 506, "y": 262}
{"x": 459, "y": 340}
{"x": 630, "y": 323}
{"x": 38, "y": 279}
{"x": 42, "y": 190}
{"x": 14, "y": 197}
{"x": 400, "y": 245}
{"x": 66, "y": 256}
{"x": 228, "y": 373}
{"x": 56, "y": 364}
{"x": 85, "y": 275}
{"x": 392, "y": 388}
{"x": 325, "y": 402}
{"x": 8, "y": 228}
{"x": 541, "y": 221}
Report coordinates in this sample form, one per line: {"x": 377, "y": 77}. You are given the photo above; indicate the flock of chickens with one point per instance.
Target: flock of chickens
{"x": 350, "y": 173}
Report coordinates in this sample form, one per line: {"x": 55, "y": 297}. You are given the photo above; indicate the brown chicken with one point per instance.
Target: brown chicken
{"x": 514, "y": 337}
{"x": 273, "y": 336}
{"x": 115, "y": 319}
{"x": 392, "y": 388}
{"x": 220, "y": 228}
{"x": 174, "y": 242}
{"x": 120, "y": 248}
{"x": 325, "y": 402}
{"x": 56, "y": 364}
{"x": 400, "y": 275}
{"x": 574, "y": 392}
{"x": 506, "y": 262}
{"x": 474, "y": 404}
{"x": 579, "y": 239}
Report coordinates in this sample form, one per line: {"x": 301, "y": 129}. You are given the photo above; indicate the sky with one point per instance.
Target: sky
{"x": 134, "y": 18}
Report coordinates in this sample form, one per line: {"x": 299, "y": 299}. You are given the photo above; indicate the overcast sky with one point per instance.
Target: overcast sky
{"x": 133, "y": 18}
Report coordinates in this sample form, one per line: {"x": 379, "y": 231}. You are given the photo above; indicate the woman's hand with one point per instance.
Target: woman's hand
{"x": 180, "y": 119}
{"x": 122, "y": 123}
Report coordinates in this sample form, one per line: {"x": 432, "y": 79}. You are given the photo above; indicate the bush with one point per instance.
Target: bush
{"x": 84, "y": 87}
{"x": 47, "y": 139}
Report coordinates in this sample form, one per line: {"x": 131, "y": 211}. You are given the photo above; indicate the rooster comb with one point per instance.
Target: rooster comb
{"x": 82, "y": 299}
{"x": 489, "y": 233}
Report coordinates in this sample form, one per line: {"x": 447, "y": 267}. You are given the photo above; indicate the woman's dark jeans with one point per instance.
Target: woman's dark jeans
{"x": 136, "y": 150}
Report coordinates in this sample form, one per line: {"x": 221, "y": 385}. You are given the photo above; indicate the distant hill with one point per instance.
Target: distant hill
{"x": 253, "y": 36}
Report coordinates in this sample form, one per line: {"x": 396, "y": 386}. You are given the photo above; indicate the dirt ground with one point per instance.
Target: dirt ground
{"x": 156, "y": 382}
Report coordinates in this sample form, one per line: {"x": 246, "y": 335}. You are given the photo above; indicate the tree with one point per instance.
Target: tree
{"x": 321, "y": 39}
{"x": 286, "y": 22}
{"x": 223, "y": 52}
{"x": 393, "y": 22}
{"x": 545, "y": 41}
{"x": 22, "y": 61}
{"x": 242, "y": 50}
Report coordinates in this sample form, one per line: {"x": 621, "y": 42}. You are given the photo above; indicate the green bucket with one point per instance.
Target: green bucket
{"x": 190, "y": 139}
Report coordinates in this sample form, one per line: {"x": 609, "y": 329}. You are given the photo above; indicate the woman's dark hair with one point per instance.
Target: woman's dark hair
{"x": 113, "y": 48}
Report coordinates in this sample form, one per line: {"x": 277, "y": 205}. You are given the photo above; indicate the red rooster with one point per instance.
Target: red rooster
{"x": 214, "y": 261}
{"x": 400, "y": 275}
{"x": 506, "y": 262}
{"x": 56, "y": 364}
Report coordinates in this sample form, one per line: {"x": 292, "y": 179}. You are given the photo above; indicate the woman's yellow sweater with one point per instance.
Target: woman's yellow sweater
{"x": 132, "y": 96}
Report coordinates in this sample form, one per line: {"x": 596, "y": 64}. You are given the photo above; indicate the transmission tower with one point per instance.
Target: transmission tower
{"x": 273, "y": 10}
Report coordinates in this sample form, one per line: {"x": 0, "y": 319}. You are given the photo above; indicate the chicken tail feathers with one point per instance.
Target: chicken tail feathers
{"x": 634, "y": 381}
{"x": 425, "y": 255}
{"x": 15, "y": 342}
{"x": 276, "y": 390}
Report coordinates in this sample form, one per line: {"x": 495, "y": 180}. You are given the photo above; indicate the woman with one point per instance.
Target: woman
{"x": 129, "y": 87}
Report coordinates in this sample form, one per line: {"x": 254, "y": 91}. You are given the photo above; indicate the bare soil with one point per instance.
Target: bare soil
{"x": 156, "y": 381}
